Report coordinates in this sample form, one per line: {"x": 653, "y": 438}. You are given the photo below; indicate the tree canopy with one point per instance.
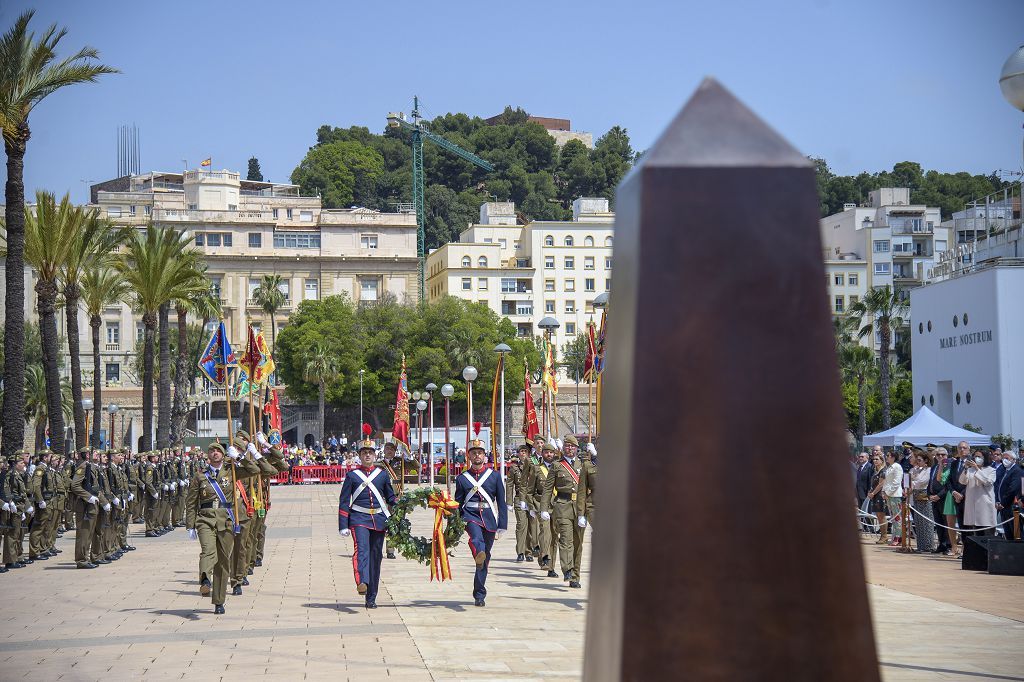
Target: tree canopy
{"x": 355, "y": 166}
{"x": 438, "y": 341}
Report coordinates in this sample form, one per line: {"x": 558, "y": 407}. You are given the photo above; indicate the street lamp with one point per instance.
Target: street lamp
{"x": 600, "y": 303}
{"x": 112, "y": 409}
{"x": 420, "y": 406}
{"x": 447, "y": 391}
{"x": 87, "y": 405}
{"x": 431, "y": 388}
{"x": 549, "y": 325}
{"x": 1011, "y": 80}
{"x": 469, "y": 374}
{"x": 501, "y": 349}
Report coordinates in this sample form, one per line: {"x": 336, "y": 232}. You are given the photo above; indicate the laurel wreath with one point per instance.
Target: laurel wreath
{"x": 399, "y": 529}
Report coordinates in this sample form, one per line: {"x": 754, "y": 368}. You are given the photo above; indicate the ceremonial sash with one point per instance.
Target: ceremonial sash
{"x": 224, "y": 502}
{"x": 572, "y": 472}
{"x": 368, "y": 483}
{"x": 478, "y": 488}
{"x": 240, "y": 487}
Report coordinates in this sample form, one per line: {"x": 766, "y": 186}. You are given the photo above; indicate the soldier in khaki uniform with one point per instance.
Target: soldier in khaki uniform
{"x": 62, "y": 482}
{"x": 101, "y": 544}
{"x": 209, "y": 517}
{"x": 69, "y": 511}
{"x": 153, "y": 484}
{"x": 274, "y": 455}
{"x": 86, "y": 503}
{"x": 41, "y": 490}
{"x": 19, "y": 506}
{"x": 548, "y": 547}
{"x": 122, "y": 503}
{"x": 244, "y": 556}
{"x": 520, "y": 483}
{"x": 558, "y": 503}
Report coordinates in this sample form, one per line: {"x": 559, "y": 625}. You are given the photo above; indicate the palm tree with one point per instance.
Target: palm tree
{"x": 151, "y": 265}
{"x": 857, "y": 364}
{"x": 50, "y": 236}
{"x": 36, "y": 408}
{"x": 321, "y": 367}
{"x": 29, "y": 73}
{"x": 882, "y": 310}
{"x": 101, "y": 287}
{"x": 182, "y": 374}
{"x": 189, "y": 280}
{"x": 93, "y": 245}
{"x": 270, "y": 298}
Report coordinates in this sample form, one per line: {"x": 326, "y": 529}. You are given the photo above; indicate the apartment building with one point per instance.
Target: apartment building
{"x": 528, "y": 272}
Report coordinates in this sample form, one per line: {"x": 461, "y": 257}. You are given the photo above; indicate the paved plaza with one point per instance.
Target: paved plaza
{"x": 302, "y": 619}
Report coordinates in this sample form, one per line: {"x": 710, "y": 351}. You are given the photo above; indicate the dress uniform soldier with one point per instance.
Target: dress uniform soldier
{"x": 18, "y": 506}
{"x": 520, "y": 484}
{"x": 210, "y": 518}
{"x": 363, "y": 513}
{"x": 481, "y": 497}
{"x": 86, "y": 503}
{"x": 561, "y": 491}
{"x": 547, "y": 549}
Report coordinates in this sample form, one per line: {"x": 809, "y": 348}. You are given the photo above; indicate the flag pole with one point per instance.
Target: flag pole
{"x": 227, "y": 402}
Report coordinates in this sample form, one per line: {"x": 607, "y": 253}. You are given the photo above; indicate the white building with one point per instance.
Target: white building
{"x": 966, "y": 341}
{"x": 528, "y": 272}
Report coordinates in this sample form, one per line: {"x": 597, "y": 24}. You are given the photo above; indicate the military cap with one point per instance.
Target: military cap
{"x": 84, "y": 450}
{"x": 391, "y": 444}
{"x": 242, "y": 433}
{"x": 476, "y": 444}
{"x": 538, "y": 440}
{"x": 523, "y": 446}
{"x": 22, "y": 452}
{"x": 570, "y": 440}
{"x": 367, "y": 444}
{"x": 218, "y": 446}
{"x": 549, "y": 447}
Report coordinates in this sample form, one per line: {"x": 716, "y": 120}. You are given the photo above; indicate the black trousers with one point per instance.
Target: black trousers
{"x": 941, "y": 532}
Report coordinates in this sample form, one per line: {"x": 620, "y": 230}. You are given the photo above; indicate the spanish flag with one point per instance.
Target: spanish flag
{"x": 207, "y": 162}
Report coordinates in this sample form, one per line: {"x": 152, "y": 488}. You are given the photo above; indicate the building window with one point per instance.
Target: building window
{"x": 568, "y": 241}
{"x": 570, "y": 306}
{"x": 881, "y": 268}
{"x": 570, "y": 329}
{"x": 588, "y": 284}
{"x": 549, "y": 240}
{"x": 549, "y": 262}
{"x": 881, "y": 246}
{"x": 226, "y": 237}
{"x": 549, "y": 285}
{"x": 213, "y": 238}
{"x": 296, "y": 240}
{"x": 503, "y": 243}
{"x": 481, "y": 262}
{"x": 608, "y": 263}
{"x": 113, "y": 211}
{"x": 200, "y": 238}
{"x": 146, "y": 210}
{"x": 131, "y": 210}
{"x": 508, "y": 285}
{"x": 837, "y": 279}
{"x": 215, "y": 286}
{"x": 255, "y": 240}
{"x": 467, "y": 262}
{"x": 368, "y": 241}
{"x": 839, "y": 304}
{"x": 274, "y": 213}
{"x": 481, "y": 283}
{"x": 114, "y": 332}
{"x": 515, "y": 245}
{"x": 113, "y": 372}
{"x": 588, "y": 262}
{"x": 193, "y": 207}
{"x": 140, "y": 331}
{"x": 305, "y": 216}
{"x": 588, "y": 241}
{"x": 312, "y": 290}
{"x": 285, "y": 288}
{"x": 607, "y": 285}
{"x": 570, "y": 263}
{"x": 588, "y": 307}
{"x": 549, "y": 307}
{"x": 254, "y": 284}
{"x": 368, "y": 289}
{"x": 853, "y": 300}
{"x": 288, "y": 213}
{"x": 852, "y": 279}
{"x": 968, "y": 397}
{"x": 570, "y": 285}
{"x": 965, "y": 319}
{"x": 467, "y": 283}
{"x": 958, "y": 398}
{"x": 524, "y": 308}
{"x": 608, "y": 242}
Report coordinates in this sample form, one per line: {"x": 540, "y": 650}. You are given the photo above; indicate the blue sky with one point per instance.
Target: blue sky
{"x": 863, "y": 84}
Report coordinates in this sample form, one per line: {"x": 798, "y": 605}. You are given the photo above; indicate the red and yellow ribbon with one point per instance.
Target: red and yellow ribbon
{"x": 443, "y": 506}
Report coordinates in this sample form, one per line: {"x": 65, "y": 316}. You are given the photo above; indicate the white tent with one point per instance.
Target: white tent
{"x": 924, "y": 427}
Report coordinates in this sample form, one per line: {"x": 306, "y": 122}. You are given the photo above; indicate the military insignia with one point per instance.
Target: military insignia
{"x": 275, "y": 437}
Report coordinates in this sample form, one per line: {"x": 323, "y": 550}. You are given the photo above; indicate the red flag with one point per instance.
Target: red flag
{"x": 272, "y": 408}
{"x": 588, "y": 363}
{"x": 400, "y": 431}
{"x": 252, "y": 357}
{"x": 530, "y": 428}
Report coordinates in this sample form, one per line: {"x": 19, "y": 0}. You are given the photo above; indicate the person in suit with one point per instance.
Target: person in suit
{"x": 862, "y": 481}
{"x": 363, "y": 512}
{"x": 1008, "y": 489}
{"x": 481, "y": 497}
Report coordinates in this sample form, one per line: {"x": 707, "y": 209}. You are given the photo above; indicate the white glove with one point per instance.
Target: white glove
{"x": 544, "y": 516}
{"x": 591, "y": 449}
{"x": 131, "y": 497}
{"x": 581, "y": 522}
{"x": 261, "y": 439}
{"x": 192, "y": 534}
{"x": 106, "y": 507}
{"x": 345, "y": 532}
{"x": 7, "y": 506}
{"x": 22, "y": 517}
{"x": 183, "y": 483}
{"x": 533, "y": 514}
{"x": 92, "y": 500}
{"x": 117, "y": 502}
{"x": 42, "y": 504}
{"x": 166, "y": 487}
{"x": 233, "y": 452}
{"x": 252, "y": 449}
{"x": 174, "y": 486}
{"x": 522, "y": 506}
{"x": 30, "y": 509}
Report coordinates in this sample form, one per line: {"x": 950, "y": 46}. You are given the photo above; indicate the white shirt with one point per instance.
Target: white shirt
{"x": 893, "y": 486}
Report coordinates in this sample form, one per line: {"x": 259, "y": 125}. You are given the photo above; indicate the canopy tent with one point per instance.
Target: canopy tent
{"x": 924, "y": 427}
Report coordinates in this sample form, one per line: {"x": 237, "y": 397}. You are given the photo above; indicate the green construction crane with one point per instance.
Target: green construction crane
{"x": 419, "y": 133}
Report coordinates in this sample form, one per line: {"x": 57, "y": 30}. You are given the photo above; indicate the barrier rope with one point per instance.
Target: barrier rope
{"x": 861, "y": 512}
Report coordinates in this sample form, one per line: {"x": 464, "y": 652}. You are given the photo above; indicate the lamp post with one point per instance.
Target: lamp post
{"x": 600, "y": 303}
{"x": 359, "y": 426}
{"x": 469, "y": 374}
{"x": 447, "y": 391}
{"x": 1011, "y": 80}
{"x": 87, "y": 405}
{"x": 112, "y": 409}
{"x": 549, "y": 325}
{"x": 431, "y": 388}
{"x": 501, "y": 349}
{"x": 420, "y": 406}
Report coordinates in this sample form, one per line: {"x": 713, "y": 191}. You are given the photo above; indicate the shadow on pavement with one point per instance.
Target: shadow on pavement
{"x": 332, "y": 606}
{"x": 450, "y": 605}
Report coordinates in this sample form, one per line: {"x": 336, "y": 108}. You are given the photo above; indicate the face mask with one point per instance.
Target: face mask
{"x": 979, "y": 460}
{"x": 1007, "y": 462}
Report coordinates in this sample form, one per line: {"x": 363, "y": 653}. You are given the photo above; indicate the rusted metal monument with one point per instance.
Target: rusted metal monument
{"x": 726, "y": 546}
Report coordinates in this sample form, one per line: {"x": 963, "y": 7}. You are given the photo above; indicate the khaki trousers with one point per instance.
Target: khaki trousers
{"x": 84, "y": 532}
{"x": 563, "y": 523}
{"x": 215, "y": 554}
{"x": 40, "y": 532}
{"x": 12, "y": 541}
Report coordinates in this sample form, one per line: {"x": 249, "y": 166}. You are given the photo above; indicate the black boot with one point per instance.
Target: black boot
{"x": 520, "y": 558}
{"x": 218, "y": 609}
{"x": 237, "y": 590}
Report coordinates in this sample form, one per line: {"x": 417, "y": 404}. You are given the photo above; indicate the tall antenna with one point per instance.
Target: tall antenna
{"x": 127, "y": 150}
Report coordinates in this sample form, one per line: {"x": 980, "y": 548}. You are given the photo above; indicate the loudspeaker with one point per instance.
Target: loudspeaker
{"x": 975, "y": 553}
{"x": 1005, "y": 557}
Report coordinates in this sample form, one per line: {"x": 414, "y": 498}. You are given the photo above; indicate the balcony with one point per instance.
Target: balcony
{"x": 251, "y": 303}
{"x": 908, "y": 229}
{"x": 112, "y": 347}
{"x": 185, "y": 215}
{"x": 917, "y": 253}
